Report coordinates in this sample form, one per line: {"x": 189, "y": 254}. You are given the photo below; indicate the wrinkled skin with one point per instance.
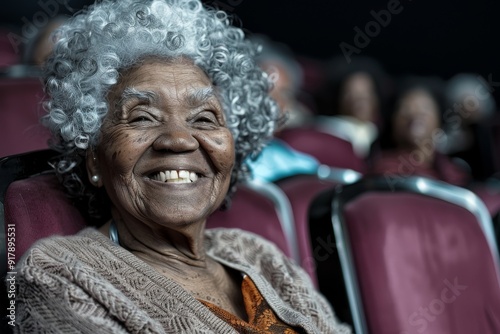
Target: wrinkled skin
{"x": 165, "y": 115}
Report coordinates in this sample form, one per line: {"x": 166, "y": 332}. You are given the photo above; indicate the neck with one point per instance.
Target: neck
{"x": 158, "y": 245}
{"x": 179, "y": 254}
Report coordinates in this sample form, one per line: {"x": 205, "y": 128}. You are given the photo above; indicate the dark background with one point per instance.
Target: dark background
{"x": 427, "y": 37}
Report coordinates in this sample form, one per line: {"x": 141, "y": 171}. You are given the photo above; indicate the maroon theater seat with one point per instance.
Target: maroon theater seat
{"x": 38, "y": 207}
{"x": 252, "y": 211}
{"x": 329, "y": 150}
{"x": 20, "y": 128}
{"x": 419, "y": 259}
{"x": 490, "y": 195}
{"x": 300, "y": 191}
{"x": 8, "y": 55}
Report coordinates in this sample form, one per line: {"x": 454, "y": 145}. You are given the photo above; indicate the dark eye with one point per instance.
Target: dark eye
{"x": 206, "y": 118}
{"x": 140, "y": 116}
{"x": 141, "y": 119}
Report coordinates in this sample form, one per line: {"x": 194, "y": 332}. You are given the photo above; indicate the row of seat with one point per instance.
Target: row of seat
{"x": 367, "y": 270}
{"x": 380, "y": 252}
{"x": 412, "y": 257}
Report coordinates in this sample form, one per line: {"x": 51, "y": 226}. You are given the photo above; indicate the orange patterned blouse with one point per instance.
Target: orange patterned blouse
{"x": 261, "y": 318}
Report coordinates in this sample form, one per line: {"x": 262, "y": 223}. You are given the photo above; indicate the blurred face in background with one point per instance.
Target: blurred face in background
{"x": 358, "y": 97}
{"x": 284, "y": 92}
{"x": 45, "y": 43}
{"x": 416, "y": 119}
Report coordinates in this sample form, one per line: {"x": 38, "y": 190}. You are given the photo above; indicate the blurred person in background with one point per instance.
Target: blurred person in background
{"x": 285, "y": 72}
{"x": 278, "y": 160}
{"x": 351, "y": 102}
{"x": 8, "y": 55}
{"x": 471, "y": 108}
{"x": 35, "y": 50}
{"x": 41, "y": 45}
{"x": 413, "y": 133}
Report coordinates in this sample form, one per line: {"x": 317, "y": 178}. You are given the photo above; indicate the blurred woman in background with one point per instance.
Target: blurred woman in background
{"x": 413, "y": 133}
{"x": 351, "y": 102}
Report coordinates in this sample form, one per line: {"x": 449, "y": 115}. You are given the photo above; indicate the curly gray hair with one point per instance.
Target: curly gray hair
{"x": 96, "y": 45}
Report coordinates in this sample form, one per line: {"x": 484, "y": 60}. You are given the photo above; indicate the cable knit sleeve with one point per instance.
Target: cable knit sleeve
{"x": 57, "y": 296}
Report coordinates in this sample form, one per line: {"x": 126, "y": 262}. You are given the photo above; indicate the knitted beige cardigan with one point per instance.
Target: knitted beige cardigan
{"x": 88, "y": 284}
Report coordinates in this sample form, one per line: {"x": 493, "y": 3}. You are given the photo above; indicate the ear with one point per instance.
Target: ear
{"x": 92, "y": 164}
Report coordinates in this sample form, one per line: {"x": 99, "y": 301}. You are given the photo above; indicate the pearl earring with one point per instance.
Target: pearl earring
{"x": 95, "y": 178}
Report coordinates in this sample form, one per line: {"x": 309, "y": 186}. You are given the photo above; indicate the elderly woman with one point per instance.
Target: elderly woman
{"x": 162, "y": 101}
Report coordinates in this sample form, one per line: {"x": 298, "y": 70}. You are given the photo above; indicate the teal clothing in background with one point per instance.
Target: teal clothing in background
{"x": 278, "y": 160}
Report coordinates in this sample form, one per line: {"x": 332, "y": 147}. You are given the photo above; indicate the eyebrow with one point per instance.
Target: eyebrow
{"x": 199, "y": 96}
{"x": 194, "y": 97}
{"x": 134, "y": 94}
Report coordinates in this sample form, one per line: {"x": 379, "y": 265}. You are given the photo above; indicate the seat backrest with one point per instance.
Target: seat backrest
{"x": 489, "y": 193}
{"x": 17, "y": 201}
{"x": 8, "y": 56}
{"x": 32, "y": 201}
{"x": 20, "y": 128}
{"x": 300, "y": 190}
{"x": 412, "y": 262}
{"x": 253, "y": 212}
{"x": 37, "y": 207}
{"x": 329, "y": 150}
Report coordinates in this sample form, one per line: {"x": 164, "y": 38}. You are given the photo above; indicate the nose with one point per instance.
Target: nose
{"x": 175, "y": 137}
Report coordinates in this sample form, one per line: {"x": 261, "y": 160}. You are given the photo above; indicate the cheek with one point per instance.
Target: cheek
{"x": 220, "y": 149}
{"x": 119, "y": 150}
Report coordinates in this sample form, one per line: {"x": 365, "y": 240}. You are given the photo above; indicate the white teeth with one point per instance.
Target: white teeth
{"x": 193, "y": 177}
{"x": 174, "y": 176}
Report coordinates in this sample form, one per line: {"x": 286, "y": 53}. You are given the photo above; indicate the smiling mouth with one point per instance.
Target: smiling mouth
{"x": 175, "y": 176}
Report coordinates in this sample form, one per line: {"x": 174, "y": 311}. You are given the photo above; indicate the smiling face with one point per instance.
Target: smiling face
{"x": 165, "y": 154}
